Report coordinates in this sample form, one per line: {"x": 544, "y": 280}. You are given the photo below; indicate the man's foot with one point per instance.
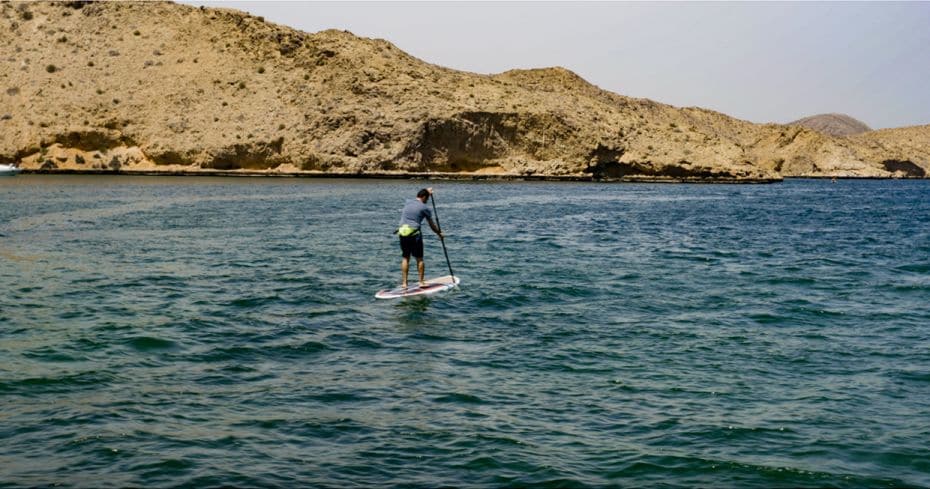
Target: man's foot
{"x": 422, "y": 284}
{"x": 403, "y": 285}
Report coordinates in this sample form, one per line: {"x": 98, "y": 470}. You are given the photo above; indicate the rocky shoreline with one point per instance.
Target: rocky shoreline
{"x": 490, "y": 177}
{"x": 162, "y": 88}
{"x": 400, "y": 176}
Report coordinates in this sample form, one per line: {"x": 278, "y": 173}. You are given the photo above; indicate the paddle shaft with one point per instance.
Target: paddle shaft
{"x": 441, "y": 239}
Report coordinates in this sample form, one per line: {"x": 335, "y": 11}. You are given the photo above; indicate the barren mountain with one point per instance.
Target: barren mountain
{"x": 833, "y": 124}
{"x": 146, "y": 86}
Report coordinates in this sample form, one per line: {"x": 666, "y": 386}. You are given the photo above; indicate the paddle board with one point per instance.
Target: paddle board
{"x": 432, "y": 286}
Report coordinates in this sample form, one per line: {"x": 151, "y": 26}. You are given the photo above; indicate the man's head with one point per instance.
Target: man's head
{"x": 423, "y": 195}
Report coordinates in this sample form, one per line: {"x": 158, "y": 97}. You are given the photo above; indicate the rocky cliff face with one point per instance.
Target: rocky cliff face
{"x": 148, "y": 86}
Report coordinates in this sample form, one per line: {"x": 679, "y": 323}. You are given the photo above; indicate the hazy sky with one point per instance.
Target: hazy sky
{"x": 763, "y": 62}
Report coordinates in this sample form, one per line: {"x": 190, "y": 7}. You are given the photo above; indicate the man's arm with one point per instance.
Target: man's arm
{"x": 435, "y": 229}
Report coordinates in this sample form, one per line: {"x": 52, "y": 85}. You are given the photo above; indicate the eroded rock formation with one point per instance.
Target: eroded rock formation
{"x": 156, "y": 86}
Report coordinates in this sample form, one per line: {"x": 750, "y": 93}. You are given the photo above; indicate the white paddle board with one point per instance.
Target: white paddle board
{"x": 432, "y": 286}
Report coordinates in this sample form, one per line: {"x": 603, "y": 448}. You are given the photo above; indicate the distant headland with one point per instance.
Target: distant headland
{"x": 157, "y": 87}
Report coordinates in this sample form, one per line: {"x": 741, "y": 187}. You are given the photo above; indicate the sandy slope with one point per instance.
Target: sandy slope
{"x": 160, "y": 86}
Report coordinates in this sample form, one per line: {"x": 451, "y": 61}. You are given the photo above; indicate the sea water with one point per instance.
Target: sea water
{"x": 206, "y": 332}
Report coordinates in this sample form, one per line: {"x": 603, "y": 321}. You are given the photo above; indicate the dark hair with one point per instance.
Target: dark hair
{"x": 423, "y": 193}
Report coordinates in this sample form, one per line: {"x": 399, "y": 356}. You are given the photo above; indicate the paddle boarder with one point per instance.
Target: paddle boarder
{"x": 411, "y": 239}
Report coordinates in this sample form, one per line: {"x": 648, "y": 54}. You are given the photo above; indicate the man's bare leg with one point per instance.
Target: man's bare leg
{"x": 404, "y": 266}
{"x": 421, "y": 270}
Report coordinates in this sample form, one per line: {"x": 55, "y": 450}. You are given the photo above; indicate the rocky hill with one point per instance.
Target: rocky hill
{"x": 152, "y": 86}
{"x": 833, "y": 124}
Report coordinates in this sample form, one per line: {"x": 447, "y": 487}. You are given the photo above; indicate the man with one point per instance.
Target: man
{"x": 411, "y": 240}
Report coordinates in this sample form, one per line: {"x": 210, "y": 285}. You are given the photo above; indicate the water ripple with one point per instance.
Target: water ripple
{"x": 222, "y": 332}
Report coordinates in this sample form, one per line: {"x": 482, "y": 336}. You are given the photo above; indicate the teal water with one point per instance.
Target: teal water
{"x": 208, "y": 332}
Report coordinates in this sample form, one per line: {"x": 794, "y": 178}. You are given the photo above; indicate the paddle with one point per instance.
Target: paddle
{"x": 441, "y": 239}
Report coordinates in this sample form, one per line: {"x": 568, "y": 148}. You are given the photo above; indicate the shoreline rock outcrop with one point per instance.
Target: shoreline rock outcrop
{"x": 160, "y": 87}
